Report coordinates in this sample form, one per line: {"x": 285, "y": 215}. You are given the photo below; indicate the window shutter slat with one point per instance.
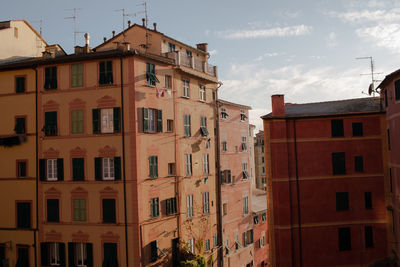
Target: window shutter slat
{"x": 60, "y": 169}
{"x": 159, "y": 121}
{"x": 42, "y": 169}
{"x": 145, "y": 113}
{"x": 96, "y": 120}
{"x": 98, "y": 173}
{"x": 117, "y": 168}
{"x": 117, "y": 119}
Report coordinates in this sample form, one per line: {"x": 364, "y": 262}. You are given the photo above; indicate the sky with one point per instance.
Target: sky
{"x": 304, "y": 49}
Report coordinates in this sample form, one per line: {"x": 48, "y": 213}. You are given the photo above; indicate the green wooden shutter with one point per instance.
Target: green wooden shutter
{"x": 229, "y": 176}
{"x": 96, "y": 120}
{"x": 159, "y": 121}
{"x": 155, "y": 166}
{"x": 168, "y": 206}
{"x": 102, "y": 70}
{"x": 71, "y": 255}
{"x": 98, "y": 170}
{"x": 117, "y": 168}
{"x": 117, "y": 119}
{"x": 109, "y": 72}
{"x": 42, "y": 169}
{"x": 60, "y": 169}
{"x": 145, "y": 113}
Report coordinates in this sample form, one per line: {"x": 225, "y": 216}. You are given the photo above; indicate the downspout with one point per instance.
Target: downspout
{"x": 123, "y": 162}
{"x": 177, "y": 182}
{"x": 298, "y": 195}
{"x": 37, "y": 163}
{"x": 218, "y": 181}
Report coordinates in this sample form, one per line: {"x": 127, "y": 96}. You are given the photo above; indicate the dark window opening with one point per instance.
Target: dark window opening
{"x": 50, "y": 78}
{"x": 368, "y": 200}
{"x": 338, "y": 163}
{"x": 105, "y": 72}
{"x": 20, "y": 126}
{"x": 20, "y": 84}
{"x": 357, "y": 129}
{"x": 337, "y": 128}
{"x": 171, "y": 206}
{"x": 23, "y": 215}
{"x": 344, "y": 239}
{"x": 50, "y": 123}
{"x": 397, "y": 89}
{"x": 109, "y": 214}
{"x": 21, "y": 169}
{"x": 53, "y": 211}
{"x": 151, "y": 77}
{"x": 78, "y": 169}
{"x": 358, "y": 164}
{"x": 110, "y": 254}
{"x": 369, "y": 238}
{"x": 342, "y": 201}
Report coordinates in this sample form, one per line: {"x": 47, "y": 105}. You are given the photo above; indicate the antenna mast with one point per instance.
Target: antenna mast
{"x": 123, "y": 19}
{"x": 74, "y": 20}
{"x": 371, "y": 88}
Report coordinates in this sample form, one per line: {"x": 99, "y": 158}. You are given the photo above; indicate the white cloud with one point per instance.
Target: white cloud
{"x": 266, "y": 33}
{"x": 332, "y": 39}
{"x": 362, "y": 16}
{"x": 267, "y": 55}
{"x": 382, "y": 35}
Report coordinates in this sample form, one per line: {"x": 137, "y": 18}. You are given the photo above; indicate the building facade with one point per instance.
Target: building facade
{"x": 259, "y": 161}
{"x": 124, "y": 149}
{"x": 237, "y": 225}
{"x": 326, "y": 183}
{"x": 261, "y": 238}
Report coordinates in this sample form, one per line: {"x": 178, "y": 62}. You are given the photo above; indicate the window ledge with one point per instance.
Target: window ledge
{"x": 187, "y": 97}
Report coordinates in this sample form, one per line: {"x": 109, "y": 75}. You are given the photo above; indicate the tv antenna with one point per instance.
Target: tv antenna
{"x": 40, "y": 25}
{"x": 123, "y": 18}
{"x": 371, "y": 88}
{"x": 74, "y": 20}
{"x": 145, "y": 12}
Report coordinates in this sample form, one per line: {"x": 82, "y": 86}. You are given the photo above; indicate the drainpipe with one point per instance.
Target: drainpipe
{"x": 123, "y": 162}
{"x": 37, "y": 163}
{"x": 298, "y": 195}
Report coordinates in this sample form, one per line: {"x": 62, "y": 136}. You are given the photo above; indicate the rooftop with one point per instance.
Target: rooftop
{"x": 258, "y": 200}
{"x": 224, "y": 102}
{"x": 339, "y": 107}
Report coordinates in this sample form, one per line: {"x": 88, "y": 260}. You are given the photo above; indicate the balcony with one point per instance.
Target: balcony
{"x": 182, "y": 59}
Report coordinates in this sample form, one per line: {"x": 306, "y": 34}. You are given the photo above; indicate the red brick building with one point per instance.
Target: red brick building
{"x": 326, "y": 184}
{"x": 261, "y": 240}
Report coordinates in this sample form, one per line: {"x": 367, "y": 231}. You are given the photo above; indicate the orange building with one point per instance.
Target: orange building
{"x": 125, "y": 151}
{"x": 237, "y": 224}
{"x": 259, "y": 161}
{"x": 326, "y": 183}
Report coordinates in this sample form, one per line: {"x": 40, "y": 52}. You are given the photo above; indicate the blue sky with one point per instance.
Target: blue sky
{"x": 304, "y": 49}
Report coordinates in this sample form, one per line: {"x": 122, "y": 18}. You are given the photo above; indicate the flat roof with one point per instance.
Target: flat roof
{"x": 224, "y": 102}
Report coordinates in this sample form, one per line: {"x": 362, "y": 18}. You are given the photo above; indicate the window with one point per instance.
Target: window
{"x": 244, "y": 171}
{"x": 264, "y": 217}
{"x": 151, "y": 78}
{"x": 386, "y": 97}
{"x": 50, "y": 78}
{"x": 21, "y": 168}
{"x": 248, "y": 237}
{"x": 256, "y": 220}
{"x": 78, "y": 169}
{"x": 205, "y": 164}
{"x": 79, "y": 209}
{"x": 202, "y": 92}
{"x": 242, "y": 115}
{"x": 206, "y": 202}
{"x": 262, "y": 149}
{"x": 170, "y": 126}
{"x": 207, "y": 245}
{"x": 153, "y": 167}
{"x": 203, "y": 126}
{"x": 368, "y": 200}
{"x": 105, "y": 72}
{"x": 243, "y": 145}
{"x": 337, "y": 128}
{"x": 224, "y": 147}
{"x": 262, "y": 159}
{"x": 154, "y": 208}
{"x": 110, "y": 254}
{"x": 225, "y": 209}
{"x": 109, "y": 213}
{"x": 191, "y": 244}
{"x": 189, "y": 206}
{"x": 185, "y": 88}
{"x": 153, "y": 251}
{"x": 237, "y": 243}
{"x": 369, "y": 240}
{"x": 388, "y": 139}
{"x": 262, "y": 240}
{"x": 53, "y": 210}
{"x": 23, "y": 256}
{"x": 51, "y": 169}
{"x": 171, "y": 169}
{"x": 168, "y": 80}
{"x": 226, "y": 177}
{"x": 344, "y": 239}
{"x": 189, "y": 53}
{"x": 223, "y": 113}
{"x": 20, "y": 85}
{"x": 76, "y": 75}
{"x": 77, "y": 121}
{"x": 23, "y": 215}
{"x": 170, "y": 205}
{"x": 397, "y": 90}
{"x": 358, "y": 164}
{"x": 338, "y": 163}
{"x": 171, "y": 47}
{"x": 188, "y": 164}
{"x": 50, "y": 123}
{"x": 186, "y": 125}
{"x": 342, "y": 201}
{"x": 357, "y": 128}
{"x": 227, "y": 248}
{"x": 106, "y": 121}
{"x": 246, "y": 205}
{"x": 107, "y": 168}
{"x": 52, "y": 254}
{"x": 215, "y": 240}
{"x": 152, "y": 120}
{"x": 80, "y": 254}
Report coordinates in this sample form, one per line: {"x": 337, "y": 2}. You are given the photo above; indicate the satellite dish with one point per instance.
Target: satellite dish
{"x": 371, "y": 89}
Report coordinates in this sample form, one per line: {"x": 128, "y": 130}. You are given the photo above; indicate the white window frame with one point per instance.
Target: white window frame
{"x": 202, "y": 90}
{"x": 188, "y": 165}
{"x": 191, "y": 244}
{"x": 185, "y": 88}
{"x": 244, "y": 170}
{"x": 189, "y": 206}
{"x": 245, "y": 205}
{"x": 244, "y": 143}
{"x": 168, "y": 79}
{"x": 207, "y": 245}
{"x": 107, "y": 120}
{"x": 206, "y": 165}
{"x": 206, "y": 202}
{"x": 187, "y": 131}
{"x": 108, "y": 168}
{"x": 54, "y": 255}
{"x": 80, "y": 254}
{"x": 52, "y": 170}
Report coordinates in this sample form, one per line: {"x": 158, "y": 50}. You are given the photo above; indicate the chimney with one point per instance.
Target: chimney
{"x": 155, "y": 26}
{"x": 202, "y": 47}
{"x": 104, "y": 39}
{"x": 113, "y": 33}
{"x": 278, "y": 105}
{"x": 144, "y": 22}
{"x": 87, "y": 37}
{"x": 129, "y": 23}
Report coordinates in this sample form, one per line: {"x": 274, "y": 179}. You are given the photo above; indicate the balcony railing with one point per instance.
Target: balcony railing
{"x": 182, "y": 59}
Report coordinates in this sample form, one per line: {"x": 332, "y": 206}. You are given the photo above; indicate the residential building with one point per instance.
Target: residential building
{"x": 261, "y": 238}
{"x": 124, "y": 149}
{"x": 327, "y": 183}
{"x": 237, "y": 224}
{"x": 20, "y": 40}
{"x": 252, "y": 156}
{"x": 259, "y": 161}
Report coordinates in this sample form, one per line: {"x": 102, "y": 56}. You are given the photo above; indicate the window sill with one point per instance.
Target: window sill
{"x": 187, "y": 97}
{"x": 149, "y": 85}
